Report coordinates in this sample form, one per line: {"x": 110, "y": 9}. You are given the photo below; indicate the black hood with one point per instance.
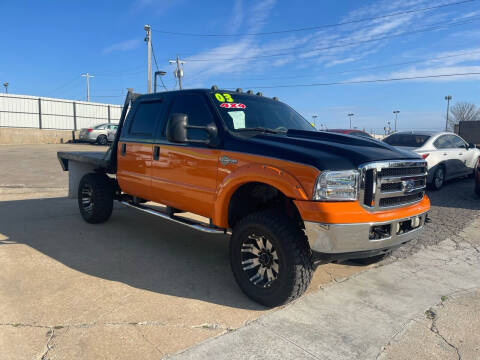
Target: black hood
{"x": 324, "y": 150}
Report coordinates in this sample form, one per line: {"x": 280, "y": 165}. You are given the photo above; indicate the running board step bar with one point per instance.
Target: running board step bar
{"x": 187, "y": 222}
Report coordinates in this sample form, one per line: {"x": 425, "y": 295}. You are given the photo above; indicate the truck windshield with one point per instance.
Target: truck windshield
{"x": 408, "y": 140}
{"x": 242, "y": 112}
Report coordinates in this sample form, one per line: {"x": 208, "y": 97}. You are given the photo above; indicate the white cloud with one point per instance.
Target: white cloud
{"x": 429, "y": 71}
{"x": 126, "y": 45}
{"x": 335, "y": 46}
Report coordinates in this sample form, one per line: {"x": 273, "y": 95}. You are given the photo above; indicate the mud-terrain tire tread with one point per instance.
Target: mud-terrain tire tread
{"x": 102, "y": 190}
{"x": 296, "y": 248}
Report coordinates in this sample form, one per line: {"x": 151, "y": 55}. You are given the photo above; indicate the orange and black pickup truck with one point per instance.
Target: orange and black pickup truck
{"x": 287, "y": 195}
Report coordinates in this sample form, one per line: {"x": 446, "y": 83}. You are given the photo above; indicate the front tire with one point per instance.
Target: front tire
{"x": 438, "y": 178}
{"x": 95, "y": 198}
{"x": 270, "y": 258}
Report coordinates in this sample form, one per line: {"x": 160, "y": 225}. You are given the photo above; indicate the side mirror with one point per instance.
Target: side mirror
{"x": 471, "y": 146}
{"x": 177, "y": 131}
{"x": 177, "y": 128}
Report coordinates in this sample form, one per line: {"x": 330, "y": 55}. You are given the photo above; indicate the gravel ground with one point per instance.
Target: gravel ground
{"x": 453, "y": 207}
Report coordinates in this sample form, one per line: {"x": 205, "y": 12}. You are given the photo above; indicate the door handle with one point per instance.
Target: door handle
{"x": 460, "y": 154}
{"x": 156, "y": 152}
{"x": 445, "y": 154}
{"x": 124, "y": 149}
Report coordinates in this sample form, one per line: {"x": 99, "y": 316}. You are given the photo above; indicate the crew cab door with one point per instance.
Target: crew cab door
{"x": 135, "y": 148}
{"x": 184, "y": 175}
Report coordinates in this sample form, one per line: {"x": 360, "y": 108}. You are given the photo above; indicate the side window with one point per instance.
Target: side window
{"x": 457, "y": 142}
{"x": 198, "y": 113}
{"x": 145, "y": 118}
{"x": 100, "y": 127}
{"x": 442, "y": 142}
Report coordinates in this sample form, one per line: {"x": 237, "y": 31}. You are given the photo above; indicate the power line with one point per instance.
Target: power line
{"x": 156, "y": 65}
{"x": 155, "y": 58}
{"x": 365, "y": 68}
{"x": 319, "y": 26}
{"x": 64, "y": 85}
{"x": 360, "y": 81}
{"x": 405, "y": 33}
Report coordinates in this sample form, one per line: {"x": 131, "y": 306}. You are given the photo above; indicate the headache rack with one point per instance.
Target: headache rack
{"x": 391, "y": 184}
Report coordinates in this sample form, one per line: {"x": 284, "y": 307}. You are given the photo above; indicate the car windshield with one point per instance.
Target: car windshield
{"x": 242, "y": 112}
{"x": 408, "y": 140}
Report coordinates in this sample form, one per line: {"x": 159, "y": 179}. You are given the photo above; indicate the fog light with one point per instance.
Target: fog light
{"x": 397, "y": 228}
{"x": 415, "y": 222}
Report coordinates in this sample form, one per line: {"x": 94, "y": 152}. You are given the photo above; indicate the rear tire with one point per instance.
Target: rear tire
{"x": 270, "y": 258}
{"x": 102, "y": 140}
{"x": 95, "y": 198}
{"x": 438, "y": 178}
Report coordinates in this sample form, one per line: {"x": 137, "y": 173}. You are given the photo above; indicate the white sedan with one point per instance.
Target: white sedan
{"x": 448, "y": 156}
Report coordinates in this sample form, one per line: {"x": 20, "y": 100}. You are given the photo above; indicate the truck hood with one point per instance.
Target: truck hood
{"x": 322, "y": 150}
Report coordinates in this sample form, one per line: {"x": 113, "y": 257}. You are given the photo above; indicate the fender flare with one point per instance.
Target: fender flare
{"x": 261, "y": 173}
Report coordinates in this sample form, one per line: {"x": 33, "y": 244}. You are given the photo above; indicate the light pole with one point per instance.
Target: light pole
{"x": 448, "y": 98}
{"x": 6, "y": 87}
{"x": 158, "y": 73}
{"x": 314, "y": 118}
{"x": 350, "y": 117}
{"x": 396, "y": 112}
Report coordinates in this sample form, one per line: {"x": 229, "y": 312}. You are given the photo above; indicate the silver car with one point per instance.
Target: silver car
{"x": 98, "y": 134}
{"x": 448, "y": 156}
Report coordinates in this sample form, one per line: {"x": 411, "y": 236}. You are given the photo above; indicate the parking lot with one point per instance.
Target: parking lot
{"x": 137, "y": 286}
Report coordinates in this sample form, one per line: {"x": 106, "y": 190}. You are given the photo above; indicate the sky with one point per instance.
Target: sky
{"x": 46, "y": 45}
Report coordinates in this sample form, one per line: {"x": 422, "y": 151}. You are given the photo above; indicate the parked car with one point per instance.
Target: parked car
{"x": 112, "y": 132}
{"x": 477, "y": 178}
{"x": 255, "y": 169}
{"x": 448, "y": 156}
{"x": 353, "y": 132}
{"x": 97, "y": 134}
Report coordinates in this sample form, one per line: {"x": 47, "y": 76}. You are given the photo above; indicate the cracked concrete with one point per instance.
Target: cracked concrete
{"x": 72, "y": 290}
{"x": 375, "y": 314}
{"x": 134, "y": 287}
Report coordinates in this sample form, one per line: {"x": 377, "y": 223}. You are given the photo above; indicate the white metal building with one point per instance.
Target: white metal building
{"x": 50, "y": 113}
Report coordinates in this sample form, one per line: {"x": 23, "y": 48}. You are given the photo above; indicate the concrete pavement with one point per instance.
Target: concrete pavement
{"x": 370, "y": 315}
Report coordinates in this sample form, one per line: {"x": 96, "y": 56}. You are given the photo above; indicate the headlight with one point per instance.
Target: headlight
{"x": 337, "y": 186}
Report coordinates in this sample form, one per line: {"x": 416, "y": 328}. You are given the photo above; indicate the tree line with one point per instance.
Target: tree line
{"x": 463, "y": 111}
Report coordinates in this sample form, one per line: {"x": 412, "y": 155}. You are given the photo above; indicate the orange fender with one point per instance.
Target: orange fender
{"x": 267, "y": 174}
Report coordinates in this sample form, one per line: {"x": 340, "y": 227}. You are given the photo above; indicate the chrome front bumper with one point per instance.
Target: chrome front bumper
{"x": 348, "y": 238}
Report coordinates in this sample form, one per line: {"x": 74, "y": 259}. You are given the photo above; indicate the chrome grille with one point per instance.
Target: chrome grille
{"x": 392, "y": 183}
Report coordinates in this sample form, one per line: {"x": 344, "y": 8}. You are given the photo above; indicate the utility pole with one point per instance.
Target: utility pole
{"x": 350, "y": 117}
{"x": 6, "y": 87}
{"x": 88, "y": 76}
{"x": 396, "y": 112}
{"x": 314, "y": 118}
{"x": 178, "y": 71}
{"x": 148, "y": 39}
{"x": 448, "y": 98}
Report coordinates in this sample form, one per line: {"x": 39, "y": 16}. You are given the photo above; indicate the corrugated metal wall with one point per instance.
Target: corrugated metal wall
{"x": 49, "y": 113}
